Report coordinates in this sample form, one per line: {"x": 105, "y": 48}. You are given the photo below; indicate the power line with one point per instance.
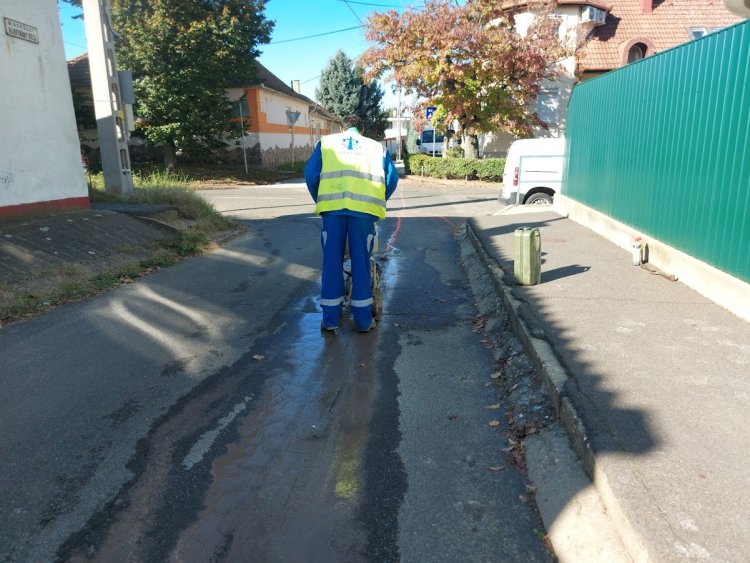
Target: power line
{"x": 316, "y": 35}
{"x": 75, "y": 44}
{"x": 352, "y": 11}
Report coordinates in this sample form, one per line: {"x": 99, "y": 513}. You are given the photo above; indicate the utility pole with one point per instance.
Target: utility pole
{"x": 111, "y": 120}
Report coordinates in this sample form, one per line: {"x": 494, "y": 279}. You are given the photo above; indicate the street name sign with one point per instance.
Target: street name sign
{"x": 21, "y": 30}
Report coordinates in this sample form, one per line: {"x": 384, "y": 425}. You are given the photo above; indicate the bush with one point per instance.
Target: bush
{"x": 455, "y": 152}
{"x": 487, "y": 169}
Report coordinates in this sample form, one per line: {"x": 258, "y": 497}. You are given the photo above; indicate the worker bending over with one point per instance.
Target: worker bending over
{"x": 350, "y": 177}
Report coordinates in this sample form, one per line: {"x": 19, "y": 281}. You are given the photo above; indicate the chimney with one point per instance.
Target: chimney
{"x": 295, "y": 83}
{"x": 647, "y": 6}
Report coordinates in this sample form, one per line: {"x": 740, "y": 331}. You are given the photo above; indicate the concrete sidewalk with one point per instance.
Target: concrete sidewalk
{"x": 652, "y": 382}
{"x": 83, "y": 237}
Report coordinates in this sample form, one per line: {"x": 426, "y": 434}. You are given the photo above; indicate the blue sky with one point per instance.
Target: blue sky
{"x": 302, "y": 59}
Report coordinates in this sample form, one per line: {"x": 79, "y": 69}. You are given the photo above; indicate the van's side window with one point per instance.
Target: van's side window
{"x": 428, "y": 136}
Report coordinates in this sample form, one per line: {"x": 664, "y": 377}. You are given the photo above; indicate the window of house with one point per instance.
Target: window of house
{"x": 636, "y": 52}
{"x": 698, "y": 32}
{"x": 548, "y": 105}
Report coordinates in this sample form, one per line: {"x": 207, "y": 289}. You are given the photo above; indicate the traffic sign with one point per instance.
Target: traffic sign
{"x": 429, "y": 110}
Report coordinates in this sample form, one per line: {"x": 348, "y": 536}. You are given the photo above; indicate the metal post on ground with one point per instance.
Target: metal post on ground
{"x": 292, "y": 117}
{"x": 398, "y": 117}
{"x": 242, "y": 127}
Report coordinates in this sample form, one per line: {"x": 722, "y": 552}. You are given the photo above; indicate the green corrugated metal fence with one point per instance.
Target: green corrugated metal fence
{"x": 663, "y": 145}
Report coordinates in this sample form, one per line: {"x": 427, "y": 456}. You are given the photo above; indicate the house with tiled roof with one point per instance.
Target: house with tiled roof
{"x": 635, "y": 29}
{"x": 280, "y": 125}
{"x": 608, "y": 34}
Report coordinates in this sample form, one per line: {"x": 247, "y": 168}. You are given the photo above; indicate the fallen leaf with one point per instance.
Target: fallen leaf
{"x": 492, "y": 407}
{"x": 494, "y": 423}
{"x": 396, "y": 324}
{"x": 523, "y": 498}
{"x": 478, "y": 323}
{"x": 362, "y": 365}
{"x": 495, "y": 375}
{"x": 497, "y": 468}
{"x": 508, "y": 449}
{"x": 488, "y": 384}
{"x": 259, "y": 357}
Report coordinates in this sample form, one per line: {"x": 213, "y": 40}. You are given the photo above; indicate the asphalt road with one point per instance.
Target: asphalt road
{"x": 200, "y": 415}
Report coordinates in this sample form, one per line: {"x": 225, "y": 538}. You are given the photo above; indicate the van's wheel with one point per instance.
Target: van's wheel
{"x": 539, "y": 198}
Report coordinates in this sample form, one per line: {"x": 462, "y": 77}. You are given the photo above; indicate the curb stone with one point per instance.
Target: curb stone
{"x": 554, "y": 379}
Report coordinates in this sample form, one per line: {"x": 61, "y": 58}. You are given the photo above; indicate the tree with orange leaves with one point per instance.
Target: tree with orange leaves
{"x": 468, "y": 61}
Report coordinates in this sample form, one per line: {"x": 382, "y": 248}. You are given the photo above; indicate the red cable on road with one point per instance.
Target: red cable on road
{"x": 394, "y": 236}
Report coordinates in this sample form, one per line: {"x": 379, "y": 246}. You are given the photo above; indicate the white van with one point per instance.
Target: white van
{"x": 533, "y": 171}
{"x": 430, "y": 142}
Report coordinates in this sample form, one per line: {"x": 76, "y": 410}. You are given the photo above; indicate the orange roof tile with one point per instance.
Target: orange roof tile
{"x": 666, "y": 26}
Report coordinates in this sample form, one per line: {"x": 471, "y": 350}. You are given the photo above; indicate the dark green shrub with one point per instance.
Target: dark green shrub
{"x": 490, "y": 169}
{"x": 487, "y": 169}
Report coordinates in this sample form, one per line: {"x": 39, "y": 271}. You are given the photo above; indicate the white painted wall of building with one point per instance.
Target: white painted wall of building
{"x": 552, "y": 102}
{"x": 275, "y": 106}
{"x": 39, "y": 150}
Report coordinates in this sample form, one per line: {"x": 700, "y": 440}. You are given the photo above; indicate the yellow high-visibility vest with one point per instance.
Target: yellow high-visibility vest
{"x": 352, "y": 175}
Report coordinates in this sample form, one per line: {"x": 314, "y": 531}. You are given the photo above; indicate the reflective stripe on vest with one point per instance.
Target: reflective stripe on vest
{"x": 353, "y": 197}
{"x": 352, "y": 175}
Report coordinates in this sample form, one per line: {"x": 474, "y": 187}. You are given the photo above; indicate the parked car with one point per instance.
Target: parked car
{"x": 533, "y": 171}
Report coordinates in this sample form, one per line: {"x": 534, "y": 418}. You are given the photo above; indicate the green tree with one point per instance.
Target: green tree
{"x": 369, "y": 109}
{"x": 342, "y": 91}
{"x": 184, "y": 54}
{"x": 468, "y": 62}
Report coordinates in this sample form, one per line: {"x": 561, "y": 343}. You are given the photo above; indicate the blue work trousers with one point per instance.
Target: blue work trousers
{"x": 361, "y": 234}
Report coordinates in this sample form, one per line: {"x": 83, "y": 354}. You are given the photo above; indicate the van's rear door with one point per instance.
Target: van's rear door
{"x": 540, "y": 171}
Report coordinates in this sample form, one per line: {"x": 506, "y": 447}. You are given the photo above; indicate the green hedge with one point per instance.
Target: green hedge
{"x": 488, "y": 169}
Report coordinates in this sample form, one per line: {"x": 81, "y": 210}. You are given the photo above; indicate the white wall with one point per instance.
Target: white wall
{"x": 39, "y": 151}
{"x": 495, "y": 144}
{"x": 275, "y": 106}
{"x": 552, "y": 102}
